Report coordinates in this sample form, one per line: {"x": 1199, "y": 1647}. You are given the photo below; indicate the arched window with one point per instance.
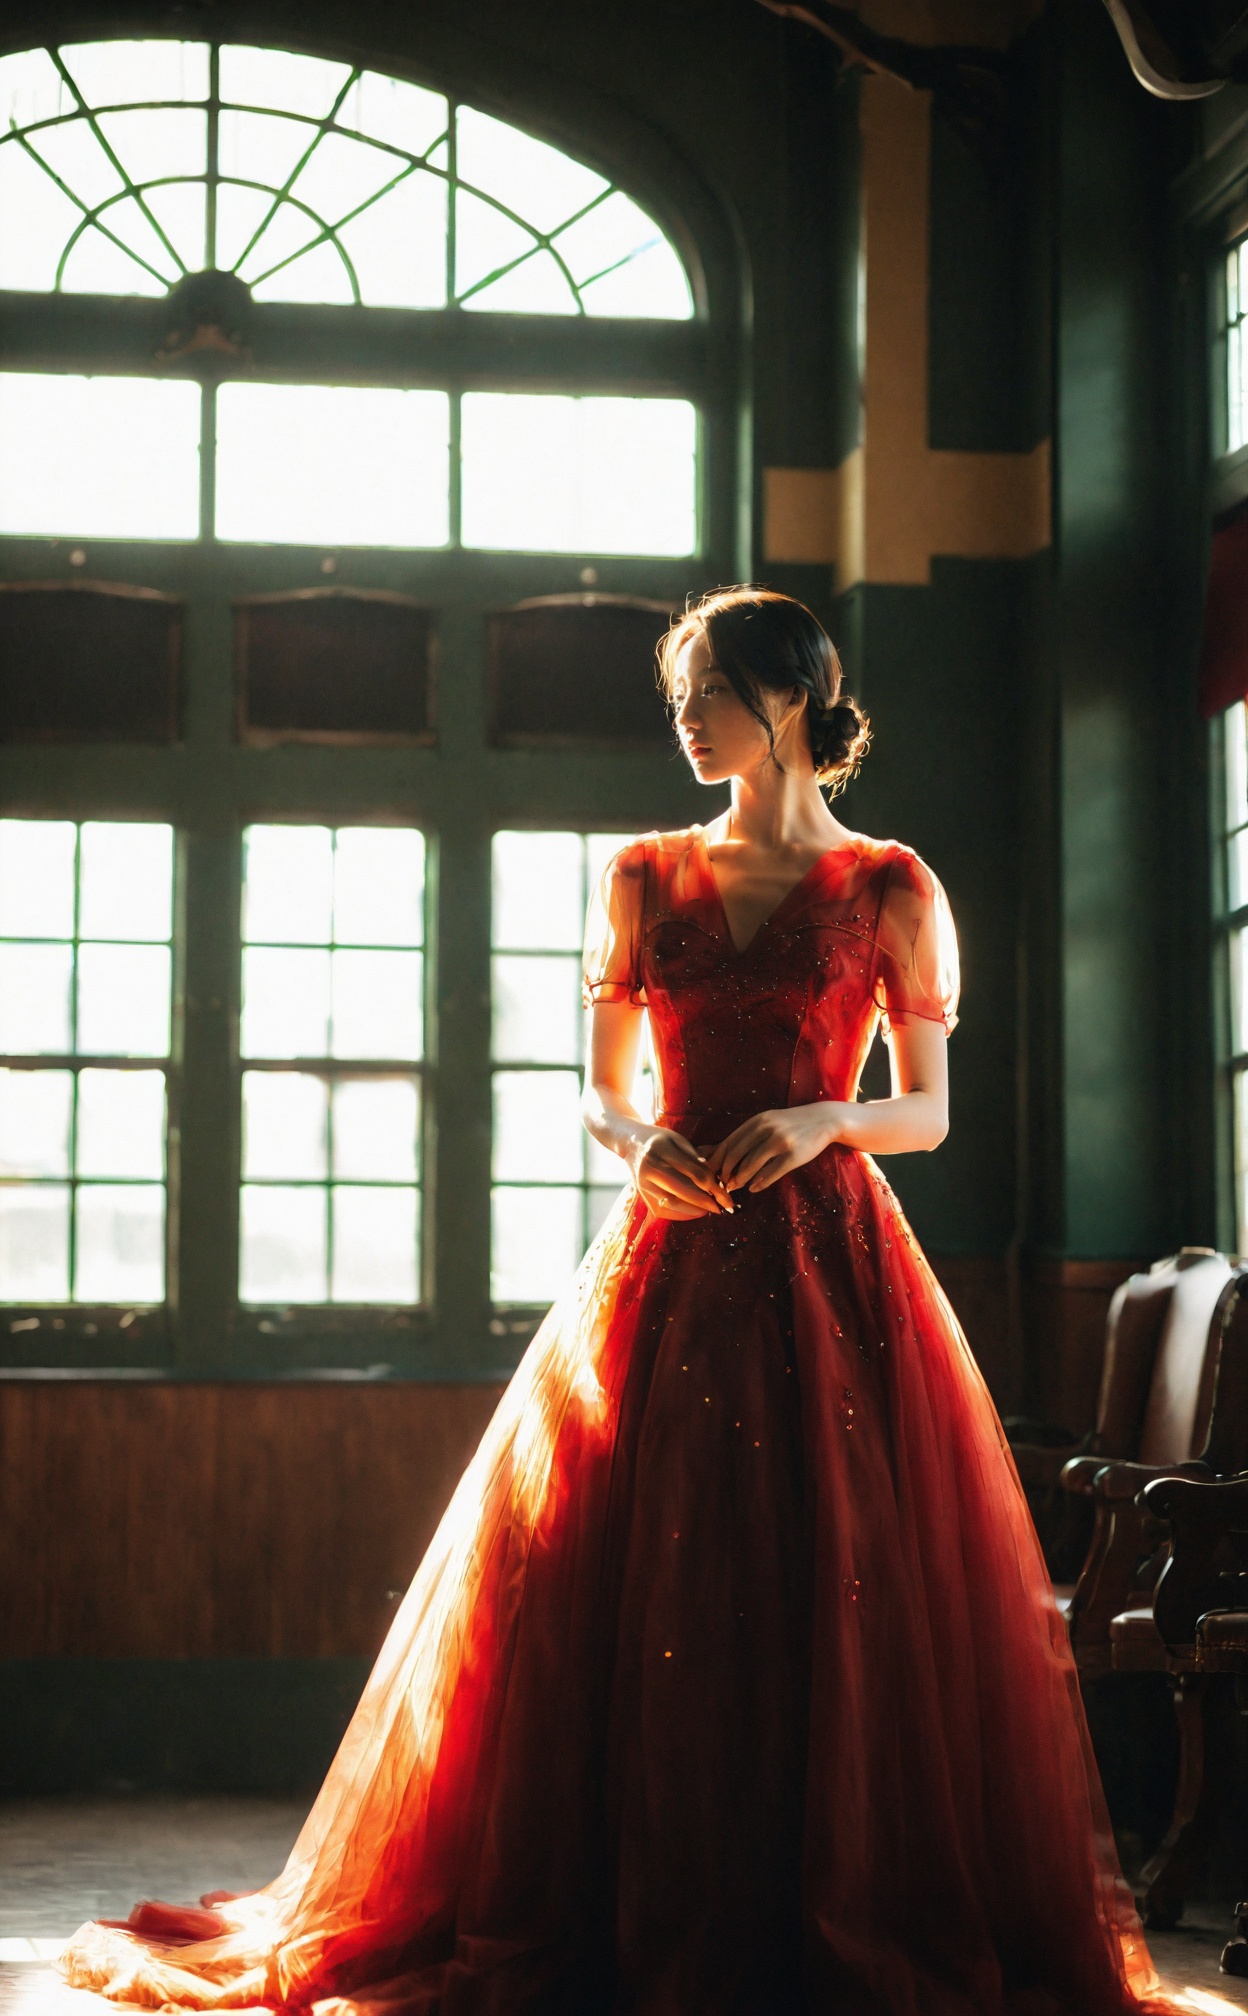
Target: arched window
{"x": 126, "y": 166}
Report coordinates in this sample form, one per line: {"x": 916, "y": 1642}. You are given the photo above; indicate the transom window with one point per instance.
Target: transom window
{"x": 128, "y": 165}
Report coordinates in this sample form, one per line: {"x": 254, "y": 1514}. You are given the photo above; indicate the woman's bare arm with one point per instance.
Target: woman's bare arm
{"x": 672, "y": 1177}
{"x": 915, "y": 1116}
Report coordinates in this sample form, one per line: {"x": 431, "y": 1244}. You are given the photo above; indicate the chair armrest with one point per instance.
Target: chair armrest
{"x": 1209, "y": 1503}
{"x": 1119, "y": 1480}
{"x": 1202, "y": 1514}
{"x": 1079, "y": 1473}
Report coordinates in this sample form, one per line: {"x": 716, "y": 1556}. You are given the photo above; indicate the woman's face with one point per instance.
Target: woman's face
{"x": 717, "y": 732}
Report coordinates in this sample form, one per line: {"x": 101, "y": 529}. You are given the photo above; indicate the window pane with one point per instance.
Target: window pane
{"x": 374, "y": 1246}
{"x": 284, "y": 1245}
{"x": 126, "y": 881}
{"x": 652, "y": 283}
{"x": 636, "y": 271}
{"x": 377, "y": 1004}
{"x": 288, "y": 885}
{"x": 121, "y": 1123}
{"x": 388, "y": 109}
{"x": 31, "y": 88}
{"x": 600, "y": 848}
{"x": 101, "y": 458}
{"x": 34, "y": 1243}
{"x": 536, "y": 1243}
{"x": 306, "y": 84}
{"x": 285, "y": 1125}
{"x": 317, "y": 274}
{"x": 128, "y": 73}
{"x": 534, "y": 180}
{"x": 398, "y": 245}
{"x": 602, "y": 1200}
{"x": 155, "y": 142}
{"x": 268, "y": 148}
{"x": 379, "y": 886}
{"x": 538, "y": 1135}
{"x": 181, "y": 210}
{"x": 341, "y": 174}
{"x": 537, "y": 1008}
{"x": 1236, "y": 725}
{"x": 34, "y": 1122}
{"x": 332, "y": 465}
{"x": 36, "y": 878}
{"x": 377, "y": 1129}
{"x": 1238, "y": 947}
{"x": 539, "y": 894}
{"x": 545, "y": 473}
{"x": 34, "y": 1000}
{"x": 120, "y": 1243}
{"x": 285, "y": 1003}
{"x": 1237, "y": 869}
{"x": 1241, "y": 1158}
{"x": 36, "y": 220}
{"x": 123, "y": 1000}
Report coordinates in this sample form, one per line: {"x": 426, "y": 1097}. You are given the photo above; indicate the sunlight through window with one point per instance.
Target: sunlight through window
{"x": 86, "y": 919}
{"x": 553, "y": 1184}
{"x": 99, "y": 458}
{"x": 126, "y": 165}
{"x": 332, "y": 1024}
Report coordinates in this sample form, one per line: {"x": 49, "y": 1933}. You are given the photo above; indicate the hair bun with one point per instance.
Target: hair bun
{"x": 840, "y": 735}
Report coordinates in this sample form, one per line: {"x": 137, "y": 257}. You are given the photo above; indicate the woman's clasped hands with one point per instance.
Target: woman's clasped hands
{"x": 677, "y": 1180}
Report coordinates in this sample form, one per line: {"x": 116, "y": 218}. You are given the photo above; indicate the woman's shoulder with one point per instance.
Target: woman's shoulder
{"x": 897, "y": 867}
{"x": 657, "y": 848}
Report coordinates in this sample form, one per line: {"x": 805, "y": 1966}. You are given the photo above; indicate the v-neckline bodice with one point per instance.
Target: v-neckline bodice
{"x": 741, "y": 951}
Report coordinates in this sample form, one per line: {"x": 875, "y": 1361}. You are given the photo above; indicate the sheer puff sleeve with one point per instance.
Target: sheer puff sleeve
{"x": 917, "y": 949}
{"x": 613, "y": 930}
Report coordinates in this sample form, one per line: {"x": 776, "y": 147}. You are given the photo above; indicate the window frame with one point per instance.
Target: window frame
{"x": 332, "y": 1069}
{"x": 89, "y": 1315}
{"x": 458, "y": 790}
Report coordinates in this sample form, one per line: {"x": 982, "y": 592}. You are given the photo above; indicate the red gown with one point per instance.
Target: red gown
{"x": 732, "y": 1682}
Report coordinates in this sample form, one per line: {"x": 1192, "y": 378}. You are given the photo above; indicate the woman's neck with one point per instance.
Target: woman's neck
{"x": 780, "y": 810}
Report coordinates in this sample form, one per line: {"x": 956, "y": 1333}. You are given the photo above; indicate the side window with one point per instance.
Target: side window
{"x": 332, "y": 1037}
{"x": 86, "y": 923}
{"x": 552, "y": 1184}
{"x": 1233, "y": 937}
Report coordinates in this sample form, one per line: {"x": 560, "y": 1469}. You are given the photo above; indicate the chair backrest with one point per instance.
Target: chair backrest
{"x": 1226, "y": 1447}
{"x": 1157, "y": 1384}
{"x": 1180, "y": 1392}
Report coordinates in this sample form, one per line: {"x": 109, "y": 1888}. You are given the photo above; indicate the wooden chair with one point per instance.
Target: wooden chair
{"x": 1191, "y": 1528}
{"x": 1163, "y": 1339}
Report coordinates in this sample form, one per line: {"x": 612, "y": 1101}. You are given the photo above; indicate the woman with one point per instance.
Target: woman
{"x": 732, "y": 1682}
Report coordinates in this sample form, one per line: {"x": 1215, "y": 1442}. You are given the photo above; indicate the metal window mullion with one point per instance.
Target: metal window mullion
{"x": 214, "y": 155}
{"x": 208, "y": 461}
{"x": 329, "y": 1182}
{"x": 321, "y": 128}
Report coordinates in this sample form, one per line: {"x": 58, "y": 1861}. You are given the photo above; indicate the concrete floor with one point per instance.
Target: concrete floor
{"x": 65, "y": 1860}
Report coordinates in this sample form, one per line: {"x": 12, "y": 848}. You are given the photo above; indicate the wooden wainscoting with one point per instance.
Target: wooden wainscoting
{"x": 174, "y": 1521}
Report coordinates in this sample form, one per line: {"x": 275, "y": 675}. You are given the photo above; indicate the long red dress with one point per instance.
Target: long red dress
{"x": 732, "y": 1683}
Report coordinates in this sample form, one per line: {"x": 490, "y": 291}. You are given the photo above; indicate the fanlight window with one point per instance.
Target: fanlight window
{"x": 125, "y": 166}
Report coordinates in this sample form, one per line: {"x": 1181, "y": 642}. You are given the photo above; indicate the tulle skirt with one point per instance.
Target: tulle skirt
{"x": 731, "y": 1684}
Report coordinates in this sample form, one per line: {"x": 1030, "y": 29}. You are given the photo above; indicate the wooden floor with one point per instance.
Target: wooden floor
{"x": 65, "y": 1860}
